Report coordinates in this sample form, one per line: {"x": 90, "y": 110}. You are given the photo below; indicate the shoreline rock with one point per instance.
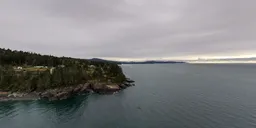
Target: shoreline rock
{"x": 66, "y": 92}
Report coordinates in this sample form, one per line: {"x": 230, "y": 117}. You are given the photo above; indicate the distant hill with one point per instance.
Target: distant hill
{"x": 153, "y": 62}
{"x": 138, "y": 62}
{"x": 102, "y": 60}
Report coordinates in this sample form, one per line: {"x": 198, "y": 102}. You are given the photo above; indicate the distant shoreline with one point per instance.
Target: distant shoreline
{"x": 139, "y": 62}
{"x": 221, "y": 63}
{"x": 154, "y": 63}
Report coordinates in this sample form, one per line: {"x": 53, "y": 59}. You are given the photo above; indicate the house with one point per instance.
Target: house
{"x": 52, "y": 70}
{"x": 19, "y": 68}
{"x": 61, "y": 66}
{"x": 40, "y": 66}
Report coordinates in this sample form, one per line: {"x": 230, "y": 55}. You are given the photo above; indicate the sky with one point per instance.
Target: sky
{"x": 131, "y": 29}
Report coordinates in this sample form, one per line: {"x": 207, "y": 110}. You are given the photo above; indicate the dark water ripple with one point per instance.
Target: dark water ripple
{"x": 165, "y": 96}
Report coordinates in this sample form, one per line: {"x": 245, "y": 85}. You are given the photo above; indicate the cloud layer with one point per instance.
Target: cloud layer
{"x": 130, "y": 29}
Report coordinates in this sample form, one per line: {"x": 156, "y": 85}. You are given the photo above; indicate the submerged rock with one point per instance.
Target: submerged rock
{"x": 123, "y": 86}
{"x": 127, "y": 84}
{"x": 128, "y": 80}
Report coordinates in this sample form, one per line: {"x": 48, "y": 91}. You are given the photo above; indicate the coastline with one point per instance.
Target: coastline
{"x": 32, "y": 76}
{"x": 66, "y": 92}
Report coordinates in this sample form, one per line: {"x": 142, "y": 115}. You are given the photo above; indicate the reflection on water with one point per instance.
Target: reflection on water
{"x": 64, "y": 110}
{"x": 7, "y": 109}
{"x": 41, "y": 112}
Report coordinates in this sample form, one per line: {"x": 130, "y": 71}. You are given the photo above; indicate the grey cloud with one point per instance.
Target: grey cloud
{"x": 130, "y": 28}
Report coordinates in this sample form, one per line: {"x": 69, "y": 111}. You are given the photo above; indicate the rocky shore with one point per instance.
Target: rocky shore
{"x": 64, "y": 93}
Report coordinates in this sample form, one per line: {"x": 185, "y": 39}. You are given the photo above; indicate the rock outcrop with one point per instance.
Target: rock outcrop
{"x": 128, "y": 80}
{"x": 66, "y": 92}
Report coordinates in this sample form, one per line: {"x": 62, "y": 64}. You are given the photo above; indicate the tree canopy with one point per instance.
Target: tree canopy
{"x": 41, "y": 72}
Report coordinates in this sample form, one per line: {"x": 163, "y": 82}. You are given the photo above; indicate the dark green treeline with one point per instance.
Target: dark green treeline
{"x": 26, "y": 72}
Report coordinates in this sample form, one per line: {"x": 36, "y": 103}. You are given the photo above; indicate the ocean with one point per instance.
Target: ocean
{"x": 165, "y": 96}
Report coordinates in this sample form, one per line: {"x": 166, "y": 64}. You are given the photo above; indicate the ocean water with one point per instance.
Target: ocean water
{"x": 165, "y": 96}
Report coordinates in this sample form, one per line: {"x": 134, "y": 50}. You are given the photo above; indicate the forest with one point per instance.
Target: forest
{"x": 26, "y": 71}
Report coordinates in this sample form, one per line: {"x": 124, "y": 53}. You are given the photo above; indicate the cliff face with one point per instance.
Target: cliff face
{"x": 64, "y": 93}
{"x": 56, "y": 77}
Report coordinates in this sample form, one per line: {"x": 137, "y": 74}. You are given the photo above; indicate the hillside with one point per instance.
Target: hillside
{"x": 139, "y": 62}
{"x": 30, "y": 72}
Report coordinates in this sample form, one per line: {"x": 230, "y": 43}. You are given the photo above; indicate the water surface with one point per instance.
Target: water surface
{"x": 165, "y": 96}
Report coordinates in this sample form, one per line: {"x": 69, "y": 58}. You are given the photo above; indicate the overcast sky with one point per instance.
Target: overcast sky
{"x": 130, "y": 29}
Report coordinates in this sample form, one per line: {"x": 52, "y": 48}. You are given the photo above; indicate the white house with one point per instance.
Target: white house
{"x": 20, "y": 68}
{"x": 40, "y": 66}
{"x": 61, "y": 66}
{"x": 52, "y": 70}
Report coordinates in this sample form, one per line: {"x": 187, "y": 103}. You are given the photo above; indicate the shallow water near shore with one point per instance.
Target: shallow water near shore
{"x": 165, "y": 96}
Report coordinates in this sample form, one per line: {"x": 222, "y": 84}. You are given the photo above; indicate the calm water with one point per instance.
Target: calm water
{"x": 165, "y": 96}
